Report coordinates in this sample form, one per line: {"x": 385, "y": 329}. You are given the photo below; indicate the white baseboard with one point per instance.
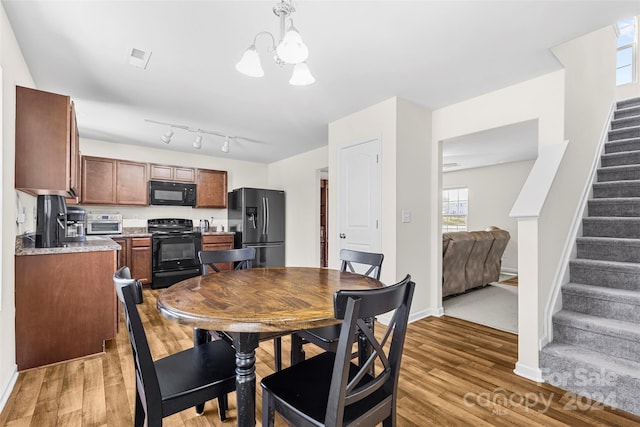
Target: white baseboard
{"x": 437, "y": 312}
{"x": 528, "y": 372}
{"x": 510, "y": 271}
{"x": 8, "y": 388}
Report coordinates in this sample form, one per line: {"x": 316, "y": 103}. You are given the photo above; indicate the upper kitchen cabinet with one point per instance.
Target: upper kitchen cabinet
{"x": 172, "y": 173}
{"x": 211, "y": 189}
{"x": 114, "y": 182}
{"x": 46, "y": 159}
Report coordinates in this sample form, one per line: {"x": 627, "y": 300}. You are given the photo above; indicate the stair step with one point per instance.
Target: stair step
{"x": 601, "y": 378}
{"x": 612, "y": 189}
{"x": 609, "y": 249}
{"x": 626, "y": 133}
{"x": 627, "y": 112}
{"x": 625, "y": 122}
{"x": 626, "y": 103}
{"x": 607, "y": 336}
{"x": 628, "y": 144}
{"x": 618, "y": 207}
{"x": 622, "y": 227}
{"x": 620, "y": 158}
{"x": 619, "y": 173}
{"x": 610, "y": 274}
{"x": 617, "y": 304}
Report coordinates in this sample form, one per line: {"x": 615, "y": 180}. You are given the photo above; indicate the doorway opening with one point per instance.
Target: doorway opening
{"x": 480, "y": 284}
{"x": 324, "y": 221}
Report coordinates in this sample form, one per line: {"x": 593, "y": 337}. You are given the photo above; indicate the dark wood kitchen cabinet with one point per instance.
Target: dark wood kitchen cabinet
{"x": 171, "y": 173}
{"x": 211, "y": 189}
{"x": 65, "y": 306}
{"x": 47, "y": 149}
{"x": 136, "y": 254}
{"x": 114, "y": 182}
{"x": 218, "y": 242}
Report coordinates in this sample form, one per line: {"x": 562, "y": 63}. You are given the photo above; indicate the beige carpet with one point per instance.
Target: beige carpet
{"x": 495, "y": 306}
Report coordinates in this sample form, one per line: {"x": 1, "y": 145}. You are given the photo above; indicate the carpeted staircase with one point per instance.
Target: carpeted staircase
{"x": 595, "y": 351}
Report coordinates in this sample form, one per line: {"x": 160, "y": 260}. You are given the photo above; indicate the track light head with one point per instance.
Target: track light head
{"x": 198, "y": 142}
{"x": 225, "y": 146}
{"x": 166, "y": 138}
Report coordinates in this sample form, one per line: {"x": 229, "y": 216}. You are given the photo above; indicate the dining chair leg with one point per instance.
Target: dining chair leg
{"x": 297, "y": 351}
{"x": 200, "y": 336}
{"x": 277, "y": 353}
{"x": 223, "y": 405}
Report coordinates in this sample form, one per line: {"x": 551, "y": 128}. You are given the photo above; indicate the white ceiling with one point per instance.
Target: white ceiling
{"x": 434, "y": 53}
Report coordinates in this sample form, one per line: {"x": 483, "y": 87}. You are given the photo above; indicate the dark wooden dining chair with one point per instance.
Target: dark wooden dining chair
{"x": 243, "y": 259}
{"x": 178, "y": 381}
{"x": 328, "y": 389}
{"x": 327, "y": 337}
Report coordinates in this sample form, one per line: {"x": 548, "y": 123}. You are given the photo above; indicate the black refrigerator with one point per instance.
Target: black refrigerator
{"x": 257, "y": 218}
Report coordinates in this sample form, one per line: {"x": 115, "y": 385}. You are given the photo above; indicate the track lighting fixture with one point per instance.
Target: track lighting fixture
{"x": 166, "y": 138}
{"x": 197, "y": 143}
{"x": 290, "y": 50}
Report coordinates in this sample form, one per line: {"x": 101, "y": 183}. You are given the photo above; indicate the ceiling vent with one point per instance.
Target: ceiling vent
{"x": 138, "y": 57}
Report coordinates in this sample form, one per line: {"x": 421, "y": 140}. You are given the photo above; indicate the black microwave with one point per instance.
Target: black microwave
{"x": 172, "y": 193}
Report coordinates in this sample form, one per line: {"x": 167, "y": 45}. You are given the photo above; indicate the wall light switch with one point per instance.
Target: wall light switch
{"x": 406, "y": 215}
{"x": 21, "y": 218}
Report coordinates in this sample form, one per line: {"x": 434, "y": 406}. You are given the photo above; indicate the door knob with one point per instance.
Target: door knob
{"x": 343, "y": 236}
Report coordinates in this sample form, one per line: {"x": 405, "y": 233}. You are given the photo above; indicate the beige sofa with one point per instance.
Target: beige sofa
{"x": 471, "y": 259}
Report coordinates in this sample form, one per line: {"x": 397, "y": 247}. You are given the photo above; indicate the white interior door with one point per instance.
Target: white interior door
{"x": 359, "y": 196}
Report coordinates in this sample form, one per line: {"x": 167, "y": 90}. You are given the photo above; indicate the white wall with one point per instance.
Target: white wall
{"x": 299, "y": 177}
{"x": 403, "y": 129}
{"x": 492, "y": 192}
{"x": 377, "y": 121}
{"x": 14, "y": 72}
{"x": 541, "y": 99}
{"x": 413, "y": 256}
{"x": 589, "y": 96}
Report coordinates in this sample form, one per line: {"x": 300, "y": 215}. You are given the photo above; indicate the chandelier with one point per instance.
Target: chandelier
{"x": 290, "y": 50}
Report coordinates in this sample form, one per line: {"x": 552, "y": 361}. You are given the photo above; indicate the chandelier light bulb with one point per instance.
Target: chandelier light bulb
{"x": 250, "y": 65}
{"x": 292, "y": 49}
{"x": 198, "y": 142}
{"x": 301, "y": 75}
{"x": 166, "y": 138}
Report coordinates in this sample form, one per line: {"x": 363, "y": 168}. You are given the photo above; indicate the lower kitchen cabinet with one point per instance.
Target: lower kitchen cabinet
{"x": 65, "y": 306}
{"x": 136, "y": 254}
{"x": 217, "y": 242}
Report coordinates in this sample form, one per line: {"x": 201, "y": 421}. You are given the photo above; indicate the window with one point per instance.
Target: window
{"x": 626, "y": 53}
{"x": 455, "y": 207}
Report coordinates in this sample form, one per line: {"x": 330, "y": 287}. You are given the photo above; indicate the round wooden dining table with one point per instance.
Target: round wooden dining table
{"x": 249, "y": 303}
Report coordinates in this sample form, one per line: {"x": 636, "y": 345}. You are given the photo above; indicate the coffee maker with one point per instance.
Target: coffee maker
{"x": 51, "y": 221}
{"x": 75, "y": 231}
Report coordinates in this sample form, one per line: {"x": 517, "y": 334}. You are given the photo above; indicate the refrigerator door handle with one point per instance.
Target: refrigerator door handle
{"x": 268, "y": 218}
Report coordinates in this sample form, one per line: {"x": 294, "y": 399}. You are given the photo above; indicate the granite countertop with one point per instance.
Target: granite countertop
{"x": 218, "y": 233}
{"x": 25, "y": 245}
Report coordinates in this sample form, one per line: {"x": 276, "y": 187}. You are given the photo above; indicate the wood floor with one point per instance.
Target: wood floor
{"x": 454, "y": 373}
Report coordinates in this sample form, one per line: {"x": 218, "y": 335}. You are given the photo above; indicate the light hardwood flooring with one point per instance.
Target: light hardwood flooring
{"x": 454, "y": 373}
